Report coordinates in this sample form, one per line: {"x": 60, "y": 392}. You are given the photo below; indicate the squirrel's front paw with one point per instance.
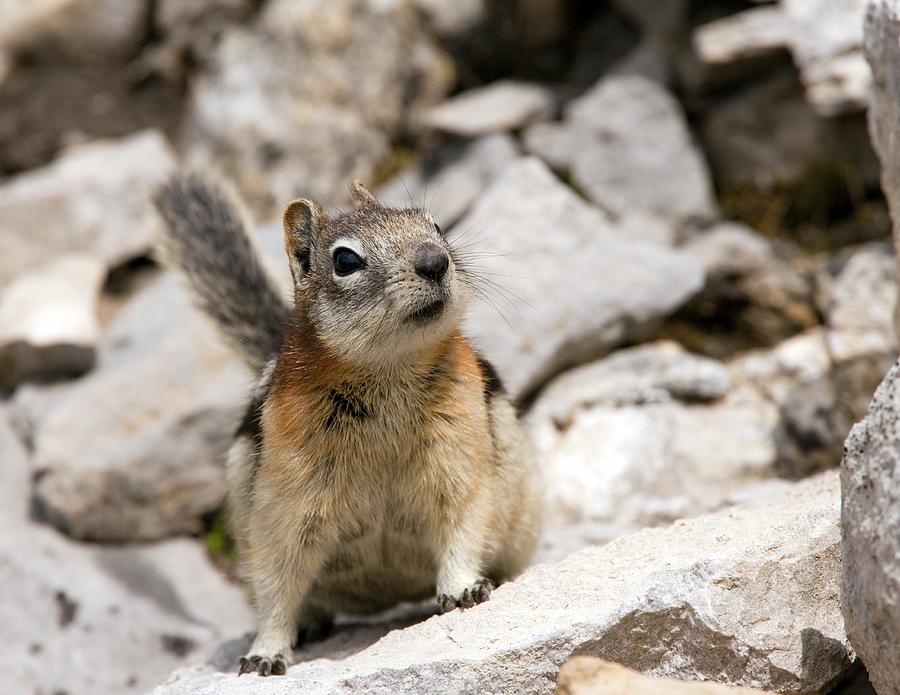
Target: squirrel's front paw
{"x": 275, "y": 665}
{"x": 479, "y": 592}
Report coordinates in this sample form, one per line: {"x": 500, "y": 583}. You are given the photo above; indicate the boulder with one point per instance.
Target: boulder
{"x": 496, "y": 107}
{"x": 572, "y": 288}
{"x": 870, "y": 530}
{"x": 446, "y": 181}
{"x": 82, "y": 619}
{"x": 48, "y": 320}
{"x": 643, "y": 437}
{"x": 748, "y": 597}
{"x": 588, "y": 675}
{"x": 95, "y": 198}
{"x": 280, "y": 132}
{"x": 627, "y": 146}
{"x": 882, "y": 43}
{"x": 135, "y": 450}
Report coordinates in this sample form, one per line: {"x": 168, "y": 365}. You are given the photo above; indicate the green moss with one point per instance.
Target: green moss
{"x": 217, "y": 540}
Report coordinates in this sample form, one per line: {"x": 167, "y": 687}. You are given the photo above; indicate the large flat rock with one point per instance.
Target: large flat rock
{"x": 749, "y": 597}
{"x": 81, "y": 619}
{"x": 135, "y": 450}
{"x": 870, "y": 522}
{"x": 559, "y": 285}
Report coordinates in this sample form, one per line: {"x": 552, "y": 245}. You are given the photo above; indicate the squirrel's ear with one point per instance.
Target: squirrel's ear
{"x": 302, "y": 221}
{"x": 361, "y": 196}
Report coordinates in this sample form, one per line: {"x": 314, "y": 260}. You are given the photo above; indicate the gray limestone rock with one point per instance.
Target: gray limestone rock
{"x": 135, "y": 450}
{"x": 572, "y": 288}
{"x": 749, "y": 597}
{"x": 496, "y": 107}
{"x": 870, "y": 530}
{"x": 627, "y": 146}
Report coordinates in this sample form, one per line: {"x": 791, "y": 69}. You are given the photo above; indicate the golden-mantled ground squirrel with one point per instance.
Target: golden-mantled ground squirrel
{"x": 380, "y": 460}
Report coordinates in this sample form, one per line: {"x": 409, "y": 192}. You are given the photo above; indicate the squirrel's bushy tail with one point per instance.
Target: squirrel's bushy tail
{"x": 206, "y": 239}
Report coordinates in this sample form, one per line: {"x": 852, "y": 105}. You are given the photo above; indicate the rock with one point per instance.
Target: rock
{"x": 16, "y": 488}
{"x": 882, "y": 44}
{"x": 870, "y": 529}
{"x": 653, "y": 373}
{"x": 279, "y": 132}
{"x": 628, "y": 147}
{"x": 497, "y": 107}
{"x": 48, "y": 320}
{"x": 824, "y": 38}
{"x": 89, "y": 31}
{"x": 81, "y": 619}
{"x": 587, "y": 675}
{"x": 94, "y": 198}
{"x": 573, "y": 294}
{"x": 780, "y": 301}
{"x": 740, "y": 46}
{"x": 135, "y": 450}
{"x": 826, "y": 43}
{"x": 646, "y": 436}
{"x": 730, "y": 249}
{"x": 449, "y": 179}
{"x": 453, "y": 19}
{"x": 859, "y": 310}
{"x": 749, "y": 597}
{"x": 768, "y": 134}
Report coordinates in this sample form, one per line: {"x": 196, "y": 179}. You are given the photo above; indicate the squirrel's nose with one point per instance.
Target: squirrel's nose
{"x": 431, "y": 261}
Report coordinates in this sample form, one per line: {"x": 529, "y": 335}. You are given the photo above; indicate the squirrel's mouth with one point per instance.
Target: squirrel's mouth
{"x": 427, "y": 312}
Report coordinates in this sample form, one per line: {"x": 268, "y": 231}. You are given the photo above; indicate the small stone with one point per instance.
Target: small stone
{"x": 730, "y": 249}
{"x": 497, "y": 107}
{"x": 48, "y": 320}
{"x": 587, "y": 675}
{"x": 741, "y": 45}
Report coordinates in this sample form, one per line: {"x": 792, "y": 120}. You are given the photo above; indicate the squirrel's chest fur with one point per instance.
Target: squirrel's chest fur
{"x": 371, "y": 468}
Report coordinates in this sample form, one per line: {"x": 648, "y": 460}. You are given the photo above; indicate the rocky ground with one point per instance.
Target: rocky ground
{"x": 688, "y": 285}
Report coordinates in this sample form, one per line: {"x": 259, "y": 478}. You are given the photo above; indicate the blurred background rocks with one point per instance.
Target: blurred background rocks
{"x": 685, "y": 276}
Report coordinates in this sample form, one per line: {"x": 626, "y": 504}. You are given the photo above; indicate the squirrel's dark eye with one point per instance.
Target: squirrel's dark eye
{"x": 347, "y": 261}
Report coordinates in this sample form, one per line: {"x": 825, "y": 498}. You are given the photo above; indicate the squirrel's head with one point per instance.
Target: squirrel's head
{"x": 376, "y": 283}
